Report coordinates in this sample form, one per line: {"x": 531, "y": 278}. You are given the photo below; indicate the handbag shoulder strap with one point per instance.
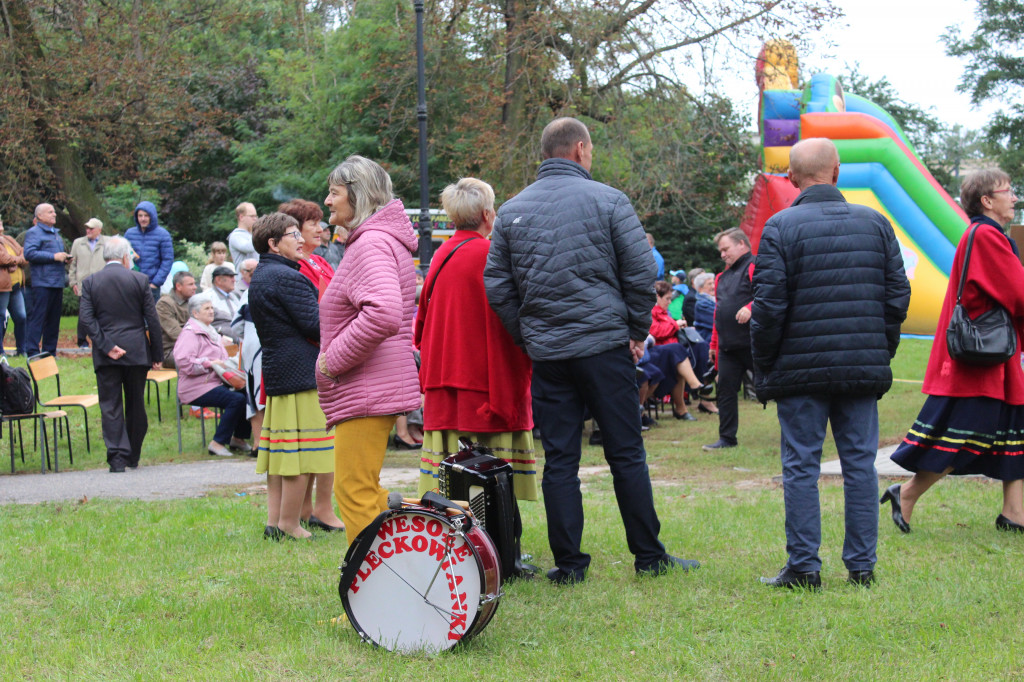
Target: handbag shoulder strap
{"x": 441, "y": 266}
{"x": 967, "y": 261}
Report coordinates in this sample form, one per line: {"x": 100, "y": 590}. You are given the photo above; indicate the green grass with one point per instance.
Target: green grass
{"x": 186, "y": 589}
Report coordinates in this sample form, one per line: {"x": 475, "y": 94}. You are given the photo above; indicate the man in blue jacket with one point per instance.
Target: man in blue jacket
{"x": 44, "y": 249}
{"x": 571, "y": 276}
{"x": 153, "y": 245}
{"x": 830, "y": 295}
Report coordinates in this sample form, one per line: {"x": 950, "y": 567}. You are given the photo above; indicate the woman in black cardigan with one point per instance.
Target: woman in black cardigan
{"x": 294, "y": 441}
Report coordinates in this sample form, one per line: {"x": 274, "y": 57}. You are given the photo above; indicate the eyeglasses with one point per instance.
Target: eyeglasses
{"x": 294, "y": 233}
{"x": 1008, "y": 189}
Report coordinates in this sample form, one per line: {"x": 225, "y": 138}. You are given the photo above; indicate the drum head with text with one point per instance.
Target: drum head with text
{"x": 419, "y": 586}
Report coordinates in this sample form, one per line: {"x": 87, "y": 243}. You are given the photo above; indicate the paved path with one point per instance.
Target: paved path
{"x": 196, "y": 479}
{"x": 156, "y": 482}
{"x": 886, "y": 467}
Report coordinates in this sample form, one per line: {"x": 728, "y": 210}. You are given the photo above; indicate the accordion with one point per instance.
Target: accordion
{"x": 485, "y": 481}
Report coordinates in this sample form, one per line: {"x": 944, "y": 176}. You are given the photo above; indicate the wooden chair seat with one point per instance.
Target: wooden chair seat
{"x": 72, "y": 400}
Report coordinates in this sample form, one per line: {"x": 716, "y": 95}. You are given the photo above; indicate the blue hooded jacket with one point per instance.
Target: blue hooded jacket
{"x": 154, "y": 245}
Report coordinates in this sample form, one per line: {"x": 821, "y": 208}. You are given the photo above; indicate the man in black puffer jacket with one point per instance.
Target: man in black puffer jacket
{"x": 830, "y": 295}
{"x": 571, "y": 276}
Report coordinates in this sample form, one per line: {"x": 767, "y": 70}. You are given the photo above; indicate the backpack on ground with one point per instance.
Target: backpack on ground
{"x": 16, "y": 394}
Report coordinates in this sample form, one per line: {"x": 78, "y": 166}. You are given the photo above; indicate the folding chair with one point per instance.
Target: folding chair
{"x": 39, "y": 419}
{"x": 157, "y": 377}
{"x": 202, "y": 420}
{"x": 44, "y": 366}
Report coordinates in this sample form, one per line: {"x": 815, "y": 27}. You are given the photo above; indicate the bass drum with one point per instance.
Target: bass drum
{"x": 427, "y": 581}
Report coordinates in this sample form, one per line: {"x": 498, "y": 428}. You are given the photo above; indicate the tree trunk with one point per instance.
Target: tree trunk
{"x": 74, "y": 189}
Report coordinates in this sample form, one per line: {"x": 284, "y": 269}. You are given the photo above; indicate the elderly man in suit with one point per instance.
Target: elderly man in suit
{"x": 117, "y": 309}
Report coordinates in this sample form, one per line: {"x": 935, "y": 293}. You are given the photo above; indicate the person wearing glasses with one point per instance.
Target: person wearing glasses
{"x": 366, "y": 372}
{"x": 294, "y": 443}
{"x": 973, "y": 418}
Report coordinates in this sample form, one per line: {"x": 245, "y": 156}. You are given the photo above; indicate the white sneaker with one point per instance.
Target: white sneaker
{"x": 219, "y": 450}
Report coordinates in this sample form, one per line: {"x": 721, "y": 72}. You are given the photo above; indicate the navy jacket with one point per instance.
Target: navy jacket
{"x": 570, "y": 273}
{"x": 41, "y": 242}
{"x": 830, "y": 295}
{"x": 284, "y": 309}
{"x": 154, "y": 245}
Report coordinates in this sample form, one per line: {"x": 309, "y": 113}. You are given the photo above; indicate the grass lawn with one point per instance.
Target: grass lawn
{"x": 186, "y": 589}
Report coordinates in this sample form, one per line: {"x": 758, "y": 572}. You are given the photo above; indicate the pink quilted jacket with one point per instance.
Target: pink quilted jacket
{"x": 366, "y": 318}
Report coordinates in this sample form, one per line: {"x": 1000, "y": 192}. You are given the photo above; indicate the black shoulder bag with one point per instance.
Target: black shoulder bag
{"x": 988, "y": 340}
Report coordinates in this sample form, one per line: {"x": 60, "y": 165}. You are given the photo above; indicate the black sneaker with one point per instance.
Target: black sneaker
{"x": 789, "y": 578}
{"x": 560, "y": 577}
{"x": 669, "y": 563}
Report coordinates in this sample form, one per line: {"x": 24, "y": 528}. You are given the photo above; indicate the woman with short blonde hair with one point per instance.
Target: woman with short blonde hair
{"x": 476, "y": 380}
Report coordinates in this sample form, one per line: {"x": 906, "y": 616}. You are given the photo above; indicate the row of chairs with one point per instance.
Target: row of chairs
{"x": 44, "y": 367}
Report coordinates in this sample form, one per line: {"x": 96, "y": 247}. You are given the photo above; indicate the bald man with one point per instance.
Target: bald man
{"x": 830, "y": 295}
{"x": 240, "y": 240}
{"x": 45, "y": 250}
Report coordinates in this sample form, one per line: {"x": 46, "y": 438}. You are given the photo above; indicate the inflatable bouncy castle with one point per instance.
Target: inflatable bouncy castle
{"x": 879, "y": 169}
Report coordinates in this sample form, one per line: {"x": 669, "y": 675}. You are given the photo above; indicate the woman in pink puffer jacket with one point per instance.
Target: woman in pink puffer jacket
{"x": 366, "y": 373}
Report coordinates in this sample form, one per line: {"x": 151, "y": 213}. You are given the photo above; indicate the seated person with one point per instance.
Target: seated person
{"x": 172, "y": 311}
{"x": 670, "y": 369}
{"x": 226, "y": 301}
{"x": 663, "y": 328}
{"x": 199, "y": 347}
{"x": 218, "y": 258}
{"x": 704, "y": 308}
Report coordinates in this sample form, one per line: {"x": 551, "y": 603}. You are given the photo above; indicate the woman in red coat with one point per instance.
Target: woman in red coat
{"x": 973, "y": 419}
{"x": 475, "y": 380}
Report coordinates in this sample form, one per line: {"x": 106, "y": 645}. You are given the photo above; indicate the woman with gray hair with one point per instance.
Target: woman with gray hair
{"x": 199, "y": 347}
{"x": 366, "y": 373}
{"x": 476, "y": 380}
{"x": 973, "y": 417}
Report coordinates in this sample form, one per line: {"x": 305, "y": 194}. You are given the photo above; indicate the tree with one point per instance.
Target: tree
{"x": 995, "y": 71}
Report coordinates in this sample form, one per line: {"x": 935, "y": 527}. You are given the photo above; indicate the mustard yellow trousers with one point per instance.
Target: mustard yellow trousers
{"x": 359, "y": 448}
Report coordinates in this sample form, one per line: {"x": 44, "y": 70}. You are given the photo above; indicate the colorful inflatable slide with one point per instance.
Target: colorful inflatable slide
{"x": 879, "y": 169}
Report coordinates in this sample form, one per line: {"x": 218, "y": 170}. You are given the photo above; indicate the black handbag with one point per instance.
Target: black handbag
{"x": 990, "y": 339}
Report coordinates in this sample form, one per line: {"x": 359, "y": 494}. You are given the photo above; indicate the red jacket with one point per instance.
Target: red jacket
{"x": 463, "y": 344}
{"x": 663, "y": 328}
{"x": 995, "y": 276}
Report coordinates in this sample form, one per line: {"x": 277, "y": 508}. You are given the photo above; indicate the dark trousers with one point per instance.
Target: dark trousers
{"x": 232, "y": 421}
{"x": 606, "y": 385}
{"x": 44, "y": 320}
{"x": 854, "y": 420}
{"x": 124, "y": 421}
{"x": 82, "y": 331}
{"x": 732, "y": 365}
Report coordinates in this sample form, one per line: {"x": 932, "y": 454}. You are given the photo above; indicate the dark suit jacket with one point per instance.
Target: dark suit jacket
{"x": 117, "y": 308}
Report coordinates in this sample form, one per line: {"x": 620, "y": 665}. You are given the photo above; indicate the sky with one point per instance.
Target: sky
{"x": 897, "y": 39}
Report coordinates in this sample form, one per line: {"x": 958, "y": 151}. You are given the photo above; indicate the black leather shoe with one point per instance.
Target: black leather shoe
{"x": 718, "y": 445}
{"x": 1003, "y": 523}
{"x": 892, "y": 494}
{"x": 789, "y": 578}
{"x": 861, "y": 578}
{"x": 116, "y": 470}
{"x": 669, "y": 563}
{"x": 560, "y": 577}
{"x": 314, "y": 522}
{"x": 595, "y": 438}
{"x": 402, "y": 445}
{"x": 273, "y": 533}
{"x": 685, "y": 416}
